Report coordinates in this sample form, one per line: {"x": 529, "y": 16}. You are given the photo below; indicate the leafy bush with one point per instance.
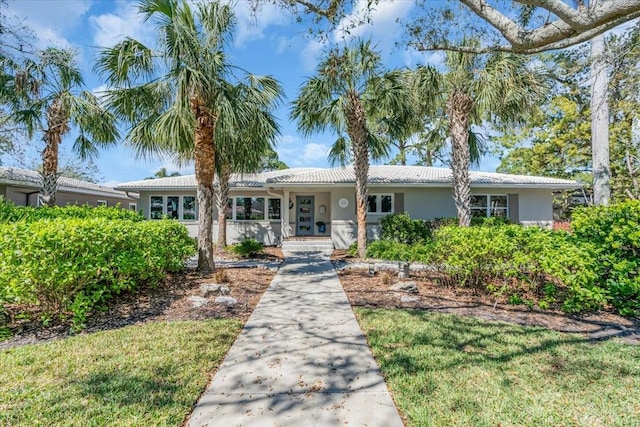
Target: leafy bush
{"x": 11, "y": 213}
{"x": 248, "y": 248}
{"x": 394, "y": 251}
{"x": 401, "y": 228}
{"x": 74, "y": 265}
{"x": 615, "y": 231}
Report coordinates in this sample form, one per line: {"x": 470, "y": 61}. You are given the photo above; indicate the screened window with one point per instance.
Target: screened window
{"x": 182, "y": 208}
{"x": 253, "y": 209}
{"x": 172, "y": 206}
{"x": 155, "y": 207}
{"x": 489, "y": 205}
{"x": 274, "y": 208}
{"x": 380, "y": 203}
{"x": 189, "y": 207}
{"x": 249, "y": 208}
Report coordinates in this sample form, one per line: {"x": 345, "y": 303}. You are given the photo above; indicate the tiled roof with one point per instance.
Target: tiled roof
{"x": 345, "y": 175}
{"x": 237, "y": 180}
{"x": 416, "y": 175}
{"x": 30, "y": 178}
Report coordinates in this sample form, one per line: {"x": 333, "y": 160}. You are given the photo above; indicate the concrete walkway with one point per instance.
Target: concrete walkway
{"x": 301, "y": 360}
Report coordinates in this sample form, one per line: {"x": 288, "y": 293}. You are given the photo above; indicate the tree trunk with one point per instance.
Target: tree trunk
{"x": 57, "y": 121}
{"x": 459, "y": 110}
{"x": 221, "y": 202}
{"x": 358, "y": 133}
{"x": 600, "y": 124}
{"x": 204, "y": 164}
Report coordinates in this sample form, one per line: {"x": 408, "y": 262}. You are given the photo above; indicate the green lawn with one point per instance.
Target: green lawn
{"x": 446, "y": 370}
{"x": 147, "y": 375}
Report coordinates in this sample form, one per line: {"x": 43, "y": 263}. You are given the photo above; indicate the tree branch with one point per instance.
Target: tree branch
{"x": 571, "y": 28}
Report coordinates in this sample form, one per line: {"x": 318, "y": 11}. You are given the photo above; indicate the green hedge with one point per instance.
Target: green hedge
{"x": 74, "y": 265}
{"x": 402, "y": 229}
{"x": 11, "y": 213}
{"x": 525, "y": 264}
{"x": 615, "y": 231}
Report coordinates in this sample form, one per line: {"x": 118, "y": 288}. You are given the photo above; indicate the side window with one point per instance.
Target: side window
{"x": 189, "y": 208}
{"x": 155, "y": 207}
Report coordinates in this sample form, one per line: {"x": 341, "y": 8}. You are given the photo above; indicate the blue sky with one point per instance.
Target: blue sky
{"x": 272, "y": 44}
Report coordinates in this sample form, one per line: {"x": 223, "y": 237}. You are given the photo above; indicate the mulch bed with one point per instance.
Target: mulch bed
{"x": 374, "y": 291}
{"x": 165, "y": 302}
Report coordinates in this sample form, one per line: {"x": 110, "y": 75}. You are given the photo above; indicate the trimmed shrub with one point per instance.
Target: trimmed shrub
{"x": 11, "y": 213}
{"x": 615, "y": 231}
{"x": 74, "y": 265}
{"x": 248, "y": 248}
{"x": 394, "y": 251}
{"x": 401, "y": 228}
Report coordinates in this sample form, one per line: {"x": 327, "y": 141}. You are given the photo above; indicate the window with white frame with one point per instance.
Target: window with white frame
{"x": 380, "y": 203}
{"x": 101, "y": 203}
{"x": 488, "y": 205}
{"x": 253, "y": 209}
{"x": 133, "y": 207}
{"x": 182, "y": 208}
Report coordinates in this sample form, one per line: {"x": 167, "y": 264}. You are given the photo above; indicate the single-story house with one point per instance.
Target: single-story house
{"x": 21, "y": 186}
{"x": 276, "y": 205}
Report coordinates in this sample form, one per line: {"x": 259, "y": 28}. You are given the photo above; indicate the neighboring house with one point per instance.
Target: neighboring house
{"x": 280, "y": 204}
{"x": 21, "y": 186}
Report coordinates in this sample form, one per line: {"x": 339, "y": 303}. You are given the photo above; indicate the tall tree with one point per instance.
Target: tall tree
{"x": 243, "y": 150}
{"x": 49, "y": 99}
{"x": 521, "y": 26}
{"x": 503, "y": 87}
{"x": 175, "y": 97}
{"x": 349, "y": 92}
{"x": 558, "y": 141}
{"x": 600, "y": 123}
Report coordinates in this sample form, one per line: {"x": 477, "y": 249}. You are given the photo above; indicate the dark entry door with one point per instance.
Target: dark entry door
{"x": 304, "y": 216}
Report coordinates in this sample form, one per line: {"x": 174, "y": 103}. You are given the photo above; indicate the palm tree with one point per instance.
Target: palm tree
{"x": 48, "y": 98}
{"x": 502, "y": 87}
{"x": 242, "y": 150}
{"x": 348, "y": 94}
{"x": 176, "y": 97}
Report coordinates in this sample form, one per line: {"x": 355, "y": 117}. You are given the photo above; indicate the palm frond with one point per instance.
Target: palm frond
{"x": 339, "y": 153}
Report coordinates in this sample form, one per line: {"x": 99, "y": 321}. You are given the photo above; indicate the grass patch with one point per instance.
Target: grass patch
{"x": 446, "y": 370}
{"x": 150, "y": 374}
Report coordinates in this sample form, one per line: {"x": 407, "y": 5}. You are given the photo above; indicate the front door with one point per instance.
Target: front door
{"x": 304, "y": 216}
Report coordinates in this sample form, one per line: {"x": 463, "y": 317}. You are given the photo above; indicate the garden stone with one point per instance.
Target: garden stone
{"x": 408, "y": 298}
{"x": 228, "y": 301}
{"x": 197, "y": 301}
{"x": 214, "y": 289}
{"x": 409, "y": 287}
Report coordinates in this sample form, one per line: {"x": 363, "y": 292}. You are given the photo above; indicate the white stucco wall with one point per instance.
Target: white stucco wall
{"x": 535, "y": 207}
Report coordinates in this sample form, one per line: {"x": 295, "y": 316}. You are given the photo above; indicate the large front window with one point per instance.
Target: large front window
{"x": 489, "y": 205}
{"x": 253, "y": 209}
{"x": 183, "y": 208}
{"x": 380, "y": 203}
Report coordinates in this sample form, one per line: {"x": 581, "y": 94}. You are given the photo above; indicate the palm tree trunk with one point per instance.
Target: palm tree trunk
{"x": 358, "y": 133}
{"x": 204, "y": 165}
{"x": 58, "y": 126}
{"x": 221, "y": 198}
{"x": 600, "y": 124}
{"x": 459, "y": 109}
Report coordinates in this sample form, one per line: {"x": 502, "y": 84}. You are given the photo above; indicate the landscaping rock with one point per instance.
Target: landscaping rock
{"x": 228, "y": 301}
{"x": 409, "y": 287}
{"x": 408, "y": 298}
{"x": 197, "y": 301}
{"x": 213, "y": 289}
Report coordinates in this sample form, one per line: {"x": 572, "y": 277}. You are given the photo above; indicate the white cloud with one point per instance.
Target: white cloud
{"x": 251, "y": 26}
{"x": 383, "y": 25}
{"x": 50, "y": 20}
{"x": 314, "y": 153}
{"x": 111, "y": 28}
{"x": 310, "y": 55}
{"x": 413, "y": 57}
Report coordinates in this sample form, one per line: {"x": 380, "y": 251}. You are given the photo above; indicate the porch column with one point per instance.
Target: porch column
{"x": 285, "y": 215}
